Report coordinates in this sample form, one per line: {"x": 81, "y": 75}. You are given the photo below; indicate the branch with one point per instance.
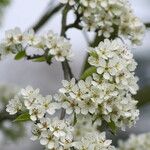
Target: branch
{"x": 33, "y": 57}
{"x": 65, "y": 65}
{"x": 5, "y": 116}
{"x": 76, "y": 23}
{"x": 64, "y": 20}
{"x": 48, "y": 14}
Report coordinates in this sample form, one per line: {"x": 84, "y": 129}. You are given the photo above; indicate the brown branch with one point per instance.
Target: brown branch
{"x": 76, "y": 23}
{"x": 46, "y": 16}
{"x": 65, "y": 65}
{"x": 5, "y": 116}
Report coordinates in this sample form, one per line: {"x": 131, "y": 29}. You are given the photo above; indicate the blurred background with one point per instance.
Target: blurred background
{"x": 25, "y": 14}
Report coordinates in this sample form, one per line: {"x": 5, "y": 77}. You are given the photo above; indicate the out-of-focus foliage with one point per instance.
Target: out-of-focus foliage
{"x": 9, "y": 129}
{"x": 3, "y": 4}
{"x": 143, "y": 96}
{"x": 136, "y": 142}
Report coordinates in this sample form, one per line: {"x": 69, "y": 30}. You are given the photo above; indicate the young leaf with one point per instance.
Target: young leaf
{"x": 23, "y": 117}
{"x": 113, "y": 127}
{"x": 75, "y": 119}
{"x": 49, "y": 59}
{"x": 39, "y": 59}
{"x": 94, "y": 54}
{"x": 88, "y": 72}
{"x": 20, "y": 55}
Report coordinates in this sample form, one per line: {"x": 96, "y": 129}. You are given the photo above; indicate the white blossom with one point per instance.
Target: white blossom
{"x": 65, "y": 103}
{"x": 44, "y": 124}
{"x": 67, "y": 85}
{"x": 48, "y": 105}
{"x": 87, "y": 106}
{"x": 56, "y": 136}
{"x": 94, "y": 141}
{"x": 36, "y": 132}
{"x": 14, "y": 106}
{"x": 36, "y": 112}
{"x": 13, "y": 36}
{"x": 32, "y": 99}
{"x": 29, "y": 92}
{"x": 59, "y": 47}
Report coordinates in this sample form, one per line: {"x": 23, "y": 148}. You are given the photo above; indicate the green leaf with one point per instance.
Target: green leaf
{"x": 75, "y": 119}
{"x": 49, "y": 59}
{"x": 39, "y": 59}
{"x": 88, "y": 72}
{"x": 23, "y": 117}
{"x": 20, "y": 55}
{"x": 113, "y": 127}
{"x": 143, "y": 96}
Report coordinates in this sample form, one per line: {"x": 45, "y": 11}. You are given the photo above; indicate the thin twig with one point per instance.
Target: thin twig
{"x": 46, "y": 16}
{"x": 76, "y": 23}
{"x": 5, "y": 116}
{"x": 66, "y": 70}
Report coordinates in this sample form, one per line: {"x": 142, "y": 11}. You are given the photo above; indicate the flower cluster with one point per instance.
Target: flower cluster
{"x": 79, "y": 98}
{"x": 9, "y": 130}
{"x": 107, "y": 94}
{"x": 6, "y": 93}
{"x": 33, "y": 101}
{"x": 14, "y": 106}
{"x": 49, "y": 44}
{"x": 136, "y": 142}
{"x": 54, "y": 133}
{"x": 110, "y": 18}
{"x": 94, "y": 141}
{"x": 116, "y": 80}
